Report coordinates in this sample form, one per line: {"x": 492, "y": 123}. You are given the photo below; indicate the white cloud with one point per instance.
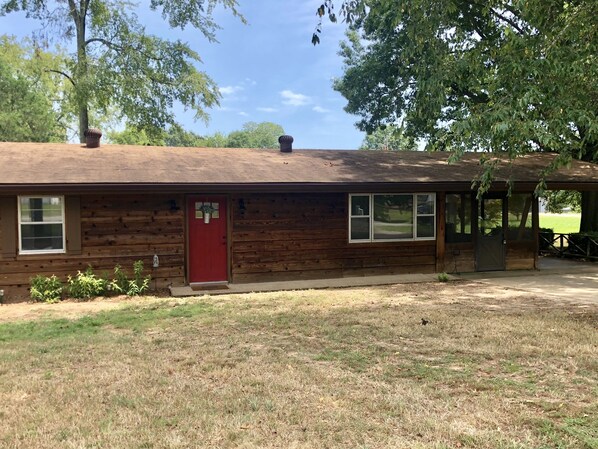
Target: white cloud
{"x": 230, "y": 90}
{"x": 243, "y": 114}
{"x": 267, "y": 109}
{"x": 320, "y": 109}
{"x": 291, "y": 98}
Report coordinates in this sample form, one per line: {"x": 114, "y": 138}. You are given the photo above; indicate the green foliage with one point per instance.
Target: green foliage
{"x": 28, "y": 112}
{"x": 46, "y": 289}
{"x": 253, "y": 135}
{"x": 177, "y": 136}
{"x": 120, "y": 282}
{"x": 134, "y": 136}
{"x": 443, "y": 277}
{"x": 86, "y": 285}
{"x": 117, "y": 64}
{"x": 174, "y": 136}
{"x": 130, "y": 287}
{"x": 557, "y": 200}
{"x": 506, "y": 77}
{"x": 388, "y": 138}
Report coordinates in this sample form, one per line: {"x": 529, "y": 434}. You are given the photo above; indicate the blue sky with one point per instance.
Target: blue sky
{"x": 267, "y": 70}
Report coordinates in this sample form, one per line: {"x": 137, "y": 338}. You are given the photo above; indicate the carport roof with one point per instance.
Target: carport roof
{"x": 56, "y": 166}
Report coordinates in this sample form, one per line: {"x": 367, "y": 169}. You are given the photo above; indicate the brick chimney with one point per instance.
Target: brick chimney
{"x": 286, "y": 144}
{"x": 92, "y": 137}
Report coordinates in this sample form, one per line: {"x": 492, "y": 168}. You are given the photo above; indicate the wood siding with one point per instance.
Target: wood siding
{"x": 115, "y": 229}
{"x": 305, "y": 236}
{"x": 459, "y": 258}
{"x": 272, "y": 236}
{"x": 521, "y": 255}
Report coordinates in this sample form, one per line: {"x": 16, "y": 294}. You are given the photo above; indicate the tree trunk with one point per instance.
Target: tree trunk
{"x": 83, "y": 122}
{"x": 79, "y": 16}
{"x": 589, "y": 212}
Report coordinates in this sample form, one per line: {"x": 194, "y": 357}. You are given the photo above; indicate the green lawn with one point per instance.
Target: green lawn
{"x": 561, "y": 223}
{"x": 352, "y": 368}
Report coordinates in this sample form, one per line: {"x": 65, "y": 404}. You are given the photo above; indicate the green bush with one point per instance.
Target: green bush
{"x": 120, "y": 282}
{"x": 548, "y": 234}
{"x": 131, "y": 287}
{"x": 46, "y": 289}
{"x": 87, "y": 285}
{"x": 583, "y": 243}
{"x": 140, "y": 283}
{"x": 443, "y": 277}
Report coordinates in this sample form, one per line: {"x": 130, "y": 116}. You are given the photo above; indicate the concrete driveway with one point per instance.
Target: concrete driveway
{"x": 564, "y": 280}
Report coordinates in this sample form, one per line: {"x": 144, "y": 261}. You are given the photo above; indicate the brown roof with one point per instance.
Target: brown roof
{"x": 29, "y": 166}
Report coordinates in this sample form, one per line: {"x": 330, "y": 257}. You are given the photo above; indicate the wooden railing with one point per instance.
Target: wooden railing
{"x": 568, "y": 245}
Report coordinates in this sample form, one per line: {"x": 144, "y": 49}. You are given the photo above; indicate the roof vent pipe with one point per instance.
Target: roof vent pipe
{"x": 92, "y": 137}
{"x": 286, "y": 144}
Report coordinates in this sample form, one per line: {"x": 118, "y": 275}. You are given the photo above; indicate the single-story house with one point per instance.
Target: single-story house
{"x": 203, "y": 216}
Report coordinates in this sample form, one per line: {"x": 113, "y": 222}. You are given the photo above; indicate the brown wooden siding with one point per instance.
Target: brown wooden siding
{"x": 305, "y": 236}
{"x": 114, "y": 230}
{"x": 459, "y": 258}
{"x": 521, "y": 256}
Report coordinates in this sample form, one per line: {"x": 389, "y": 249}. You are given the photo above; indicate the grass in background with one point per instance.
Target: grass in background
{"x": 333, "y": 368}
{"x": 561, "y": 223}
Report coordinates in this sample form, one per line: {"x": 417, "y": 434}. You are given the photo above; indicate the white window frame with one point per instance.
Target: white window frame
{"x": 42, "y": 251}
{"x": 371, "y": 238}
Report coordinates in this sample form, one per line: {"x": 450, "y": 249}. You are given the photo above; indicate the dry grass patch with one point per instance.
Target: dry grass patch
{"x": 331, "y": 368}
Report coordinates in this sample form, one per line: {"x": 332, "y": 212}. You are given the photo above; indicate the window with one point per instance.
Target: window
{"x": 41, "y": 224}
{"x": 520, "y": 217}
{"x": 458, "y": 218}
{"x": 392, "y": 217}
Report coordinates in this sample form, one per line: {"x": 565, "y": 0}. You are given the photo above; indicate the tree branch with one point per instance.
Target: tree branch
{"x": 68, "y": 77}
{"x": 116, "y": 47}
{"x": 509, "y": 21}
{"x": 107, "y": 43}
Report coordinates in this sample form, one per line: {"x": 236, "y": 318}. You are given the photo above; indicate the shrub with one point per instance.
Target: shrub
{"x": 120, "y": 282}
{"x": 546, "y": 235}
{"x": 583, "y": 243}
{"x": 86, "y": 285}
{"x": 140, "y": 283}
{"x": 130, "y": 287}
{"x": 443, "y": 277}
{"x": 46, "y": 289}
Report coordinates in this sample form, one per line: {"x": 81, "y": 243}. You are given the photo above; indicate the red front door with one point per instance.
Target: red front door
{"x": 207, "y": 238}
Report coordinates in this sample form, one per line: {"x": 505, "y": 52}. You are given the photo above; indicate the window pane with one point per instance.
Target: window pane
{"x": 393, "y": 217}
{"x": 490, "y": 220}
{"x": 425, "y": 227}
{"x": 40, "y": 210}
{"x": 458, "y": 218}
{"x": 41, "y": 237}
{"x": 360, "y": 228}
{"x": 520, "y": 217}
{"x": 360, "y": 205}
{"x": 425, "y": 204}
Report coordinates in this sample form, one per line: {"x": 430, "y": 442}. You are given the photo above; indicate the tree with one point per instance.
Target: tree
{"x": 179, "y": 137}
{"x": 27, "y": 110}
{"x": 117, "y": 63}
{"x": 501, "y": 76}
{"x": 174, "y": 136}
{"x": 255, "y": 135}
{"x": 557, "y": 200}
{"x": 388, "y": 138}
